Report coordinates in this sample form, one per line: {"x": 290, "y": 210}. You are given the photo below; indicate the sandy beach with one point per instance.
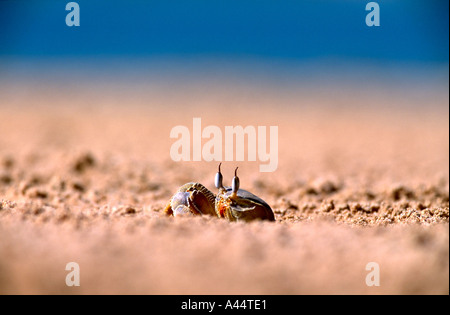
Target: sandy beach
{"x": 85, "y": 173}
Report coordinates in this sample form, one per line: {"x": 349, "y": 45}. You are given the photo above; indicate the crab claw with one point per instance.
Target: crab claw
{"x": 191, "y": 198}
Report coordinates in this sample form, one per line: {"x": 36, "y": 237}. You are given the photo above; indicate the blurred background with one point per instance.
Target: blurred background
{"x": 169, "y": 61}
{"x": 164, "y": 42}
{"x": 161, "y": 63}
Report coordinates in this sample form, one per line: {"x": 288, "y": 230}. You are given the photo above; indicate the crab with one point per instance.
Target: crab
{"x": 231, "y": 203}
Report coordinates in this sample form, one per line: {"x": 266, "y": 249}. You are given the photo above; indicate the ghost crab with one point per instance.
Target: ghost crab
{"x": 231, "y": 203}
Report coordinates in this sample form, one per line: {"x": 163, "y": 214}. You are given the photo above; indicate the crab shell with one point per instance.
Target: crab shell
{"x": 244, "y": 206}
{"x": 191, "y": 199}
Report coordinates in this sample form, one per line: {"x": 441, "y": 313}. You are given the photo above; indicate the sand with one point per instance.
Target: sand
{"x": 86, "y": 172}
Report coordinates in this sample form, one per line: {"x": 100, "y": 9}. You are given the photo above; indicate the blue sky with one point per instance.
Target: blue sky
{"x": 412, "y": 31}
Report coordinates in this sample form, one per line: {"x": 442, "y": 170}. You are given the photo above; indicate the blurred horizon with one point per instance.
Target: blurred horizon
{"x": 410, "y": 30}
{"x": 287, "y": 45}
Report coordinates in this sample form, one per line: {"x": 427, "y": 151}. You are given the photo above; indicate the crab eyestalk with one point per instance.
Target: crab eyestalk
{"x": 219, "y": 179}
{"x": 235, "y": 184}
